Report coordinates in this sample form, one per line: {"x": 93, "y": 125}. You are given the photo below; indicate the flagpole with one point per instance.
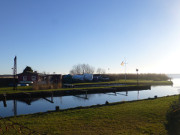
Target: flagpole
{"x": 125, "y": 68}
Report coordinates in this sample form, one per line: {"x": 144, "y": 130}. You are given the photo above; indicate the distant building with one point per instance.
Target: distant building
{"x": 7, "y": 80}
{"x": 83, "y": 77}
{"x": 53, "y": 80}
{"x": 49, "y": 79}
{"x": 28, "y": 77}
{"x": 6, "y": 76}
{"x": 100, "y": 77}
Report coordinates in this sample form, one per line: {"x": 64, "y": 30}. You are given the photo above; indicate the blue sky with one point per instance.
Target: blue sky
{"x": 54, "y": 35}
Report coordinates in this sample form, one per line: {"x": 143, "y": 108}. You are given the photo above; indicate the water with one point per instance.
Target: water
{"x": 17, "y": 107}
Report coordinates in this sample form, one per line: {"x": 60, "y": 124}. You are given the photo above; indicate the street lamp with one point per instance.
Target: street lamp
{"x": 137, "y": 76}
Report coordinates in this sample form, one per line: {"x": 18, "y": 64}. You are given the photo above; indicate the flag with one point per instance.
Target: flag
{"x": 122, "y": 63}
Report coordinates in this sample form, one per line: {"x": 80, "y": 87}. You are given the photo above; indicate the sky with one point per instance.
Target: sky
{"x": 54, "y": 35}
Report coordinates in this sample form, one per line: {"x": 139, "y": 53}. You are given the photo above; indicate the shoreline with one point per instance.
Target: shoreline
{"x": 92, "y": 106}
{"x": 74, "y": 91}
{"x": 146, "y": 116}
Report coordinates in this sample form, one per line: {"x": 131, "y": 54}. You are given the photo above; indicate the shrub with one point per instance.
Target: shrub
{"x": 173, "y": 118}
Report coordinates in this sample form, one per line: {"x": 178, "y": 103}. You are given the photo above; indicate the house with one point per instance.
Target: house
{"x": 28, "y": 77}
{"x": 49, "y": 79}
{"x": 40, "y": 79}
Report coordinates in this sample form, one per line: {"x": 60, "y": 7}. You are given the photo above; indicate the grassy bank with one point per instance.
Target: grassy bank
{"x": 149, "y": 82}
{"x": 29, "y": 90}
{"x": 150, "y": 76}
{"x": 9, "y": 90}
{"x": 133, "y": 118}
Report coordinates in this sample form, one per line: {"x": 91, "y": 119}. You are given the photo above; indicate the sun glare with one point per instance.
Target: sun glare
{"x": 170, "y": 64}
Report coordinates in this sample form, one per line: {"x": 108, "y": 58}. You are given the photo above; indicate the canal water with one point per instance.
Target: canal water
{"x": 17, "y": 107}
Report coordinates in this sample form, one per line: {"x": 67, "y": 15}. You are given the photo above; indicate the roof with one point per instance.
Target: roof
{"x": 29, "y": 73}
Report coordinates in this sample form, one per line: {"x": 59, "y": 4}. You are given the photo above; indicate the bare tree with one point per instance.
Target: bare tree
{"x": 82, "y": 69}
{"x": 101, "y": 71}
{"x": 27, "y": 69}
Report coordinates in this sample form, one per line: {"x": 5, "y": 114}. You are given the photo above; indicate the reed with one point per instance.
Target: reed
{"x": 37, "y": 86}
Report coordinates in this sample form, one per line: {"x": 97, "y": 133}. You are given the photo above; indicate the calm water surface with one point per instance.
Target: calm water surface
{"x": 15, "y": 107}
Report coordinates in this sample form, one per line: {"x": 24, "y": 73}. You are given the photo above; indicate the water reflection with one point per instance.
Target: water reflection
{"x": 15, "y": 108}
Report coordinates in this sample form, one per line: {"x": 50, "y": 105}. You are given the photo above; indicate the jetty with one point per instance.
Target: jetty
{"x": 74, "y": 91}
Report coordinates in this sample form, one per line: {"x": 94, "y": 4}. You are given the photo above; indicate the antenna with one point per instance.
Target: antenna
{"x": 15, "y": 72}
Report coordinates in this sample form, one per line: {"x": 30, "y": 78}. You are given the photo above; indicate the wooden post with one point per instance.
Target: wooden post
{"x": 15, "y": 107}
{"x": 52, "y": 97}
{"x": 57, "y": 108}
{"x": 86, "y": 95}
{"x": 4, "y": 100}
{"x": 126, "y": 93}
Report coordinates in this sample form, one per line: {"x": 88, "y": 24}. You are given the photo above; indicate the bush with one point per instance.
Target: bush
{"x": 173, "y": 118}
{"x": 37, "y": 86}
{"x": 154, "y": 77}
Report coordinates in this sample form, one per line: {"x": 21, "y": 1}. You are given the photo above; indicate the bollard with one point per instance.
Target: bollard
{"x": 4, "y": 100}
{"x": 57, "y": 108}
{"x": 106, "y": 102}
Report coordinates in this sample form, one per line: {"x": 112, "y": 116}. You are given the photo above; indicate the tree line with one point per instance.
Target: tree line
{"x": 85, "y": 69}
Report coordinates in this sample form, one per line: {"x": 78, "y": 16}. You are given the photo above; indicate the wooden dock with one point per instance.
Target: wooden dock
{"x": 41, "y": 94}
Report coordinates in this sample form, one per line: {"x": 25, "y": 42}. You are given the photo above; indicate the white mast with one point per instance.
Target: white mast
{"x": 125, "y": 68}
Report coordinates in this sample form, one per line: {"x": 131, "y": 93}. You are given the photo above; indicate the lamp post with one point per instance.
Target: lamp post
{"x": 137, "y": 76}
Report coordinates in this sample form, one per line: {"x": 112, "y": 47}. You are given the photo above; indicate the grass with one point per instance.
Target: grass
{"x": 9, "y": 90}
{"x": 150, "y": 82}
{"x": 129, "y": 118}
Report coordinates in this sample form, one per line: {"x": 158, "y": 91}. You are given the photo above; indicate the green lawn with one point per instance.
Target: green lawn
{"x": 9, "y": 90}
{"x": 130, "y": 118}
{"x": 150, "y": 82}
